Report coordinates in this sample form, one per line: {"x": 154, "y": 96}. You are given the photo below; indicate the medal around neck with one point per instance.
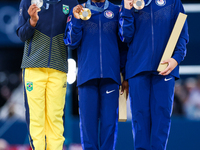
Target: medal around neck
{"x": 85, "y": 14}
{"x": 138, "y": 4}
{"x": 39, "y": 3}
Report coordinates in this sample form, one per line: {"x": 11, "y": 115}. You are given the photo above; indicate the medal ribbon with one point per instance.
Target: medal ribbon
{"x": 52, "y": 1}
{"x": 95, "y": 8}
{"x": 47, "y": 2}
{"x": 148, "y": 2}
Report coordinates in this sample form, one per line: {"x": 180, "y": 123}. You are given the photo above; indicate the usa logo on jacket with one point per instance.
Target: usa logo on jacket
{"x": 161, "y": 2}
{"x": 108, "y": 14}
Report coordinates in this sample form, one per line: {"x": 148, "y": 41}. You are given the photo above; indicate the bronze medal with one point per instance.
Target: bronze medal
{"x": 138, "y": 4}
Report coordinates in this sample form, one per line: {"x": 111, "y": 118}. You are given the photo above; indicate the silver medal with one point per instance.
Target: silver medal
{"x": 39, "y": 3}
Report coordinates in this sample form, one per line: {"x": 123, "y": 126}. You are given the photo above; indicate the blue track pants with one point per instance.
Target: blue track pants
{"x": 151, "y": 104}
{"x": 98, "y": 102}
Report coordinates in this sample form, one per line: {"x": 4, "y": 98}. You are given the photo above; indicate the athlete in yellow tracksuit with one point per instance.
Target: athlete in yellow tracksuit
{"x": 44, "y": 67}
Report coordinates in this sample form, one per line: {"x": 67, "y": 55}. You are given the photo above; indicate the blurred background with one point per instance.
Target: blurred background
{"x": 185, "y": 130}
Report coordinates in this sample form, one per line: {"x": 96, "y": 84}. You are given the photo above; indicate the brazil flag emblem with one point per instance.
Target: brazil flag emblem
{"x": 65, "y": 9}
{"x": 29, "y": 86}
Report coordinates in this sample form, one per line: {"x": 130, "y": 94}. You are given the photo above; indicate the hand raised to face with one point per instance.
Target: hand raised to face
{"x": 33, "y": 12}
{"x": 128, "y": 4}
{"x": 77, "y": 10}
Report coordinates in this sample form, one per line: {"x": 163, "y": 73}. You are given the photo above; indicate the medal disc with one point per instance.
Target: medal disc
{"x": 138, "y": 4}
{"x": 85, "y": 14}
{"x": 39, "y": 3}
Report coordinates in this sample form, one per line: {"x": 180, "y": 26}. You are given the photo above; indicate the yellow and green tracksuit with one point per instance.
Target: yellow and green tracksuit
{"x": 44, "y": 93}
{"x": 44, "y": 67}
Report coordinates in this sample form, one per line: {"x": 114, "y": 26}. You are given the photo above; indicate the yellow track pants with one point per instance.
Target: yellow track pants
{"x": 44, "y": 94}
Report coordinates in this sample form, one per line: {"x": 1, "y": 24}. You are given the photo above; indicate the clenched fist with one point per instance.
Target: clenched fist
{"x": 128, "y": 4}
{"x": 33, "y": 12}
{"x": 77, "y": 10}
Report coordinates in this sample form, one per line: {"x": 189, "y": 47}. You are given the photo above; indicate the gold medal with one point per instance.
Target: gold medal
{"x": 138, "y": 4}
{"x": 85, "y": 14}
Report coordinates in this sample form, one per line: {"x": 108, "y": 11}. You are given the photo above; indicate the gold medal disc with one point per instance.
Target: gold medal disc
{"x": 85, "y": 14}
{"x": 138, "y": 4}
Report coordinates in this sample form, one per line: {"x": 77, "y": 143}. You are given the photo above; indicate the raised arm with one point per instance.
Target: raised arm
{"x": 73, "y": 31}
{"x": 28, "y": 17}
{"x": 126, "y": 22}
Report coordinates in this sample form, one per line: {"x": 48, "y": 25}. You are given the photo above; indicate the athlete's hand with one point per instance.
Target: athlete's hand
{"x": 77, "y": 10}
{"x": 33, "y": 12}
{"x": 128, "y": 4}
{"x": 125, "y": 86}
{"x": 172, "y": 63}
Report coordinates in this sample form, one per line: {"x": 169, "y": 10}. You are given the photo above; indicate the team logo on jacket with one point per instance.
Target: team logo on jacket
{"x": 69, "y": 18}
{"x": 108, "y": 14}
{"x": 160, "y": 2}
{"x": 29, "y": 86}
{"x": 120, "y": 8}
{"x": 65, "y": 9}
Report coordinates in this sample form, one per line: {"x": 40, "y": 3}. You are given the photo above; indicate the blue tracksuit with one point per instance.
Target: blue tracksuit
{"x": 98, "y": 74}
{"x": 147, "y": 32}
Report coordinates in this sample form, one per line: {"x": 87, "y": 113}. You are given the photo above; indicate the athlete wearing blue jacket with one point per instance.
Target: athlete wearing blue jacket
{"x": 147, "y": 32}
{"x": 98, "y": 72}
{"x": 44, "y": 67}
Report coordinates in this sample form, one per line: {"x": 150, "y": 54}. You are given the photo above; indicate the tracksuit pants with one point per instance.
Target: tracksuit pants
{"x": 151, "y": 104}
{"x": 44, "y": 93}
{"x": 98, "y": 103}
